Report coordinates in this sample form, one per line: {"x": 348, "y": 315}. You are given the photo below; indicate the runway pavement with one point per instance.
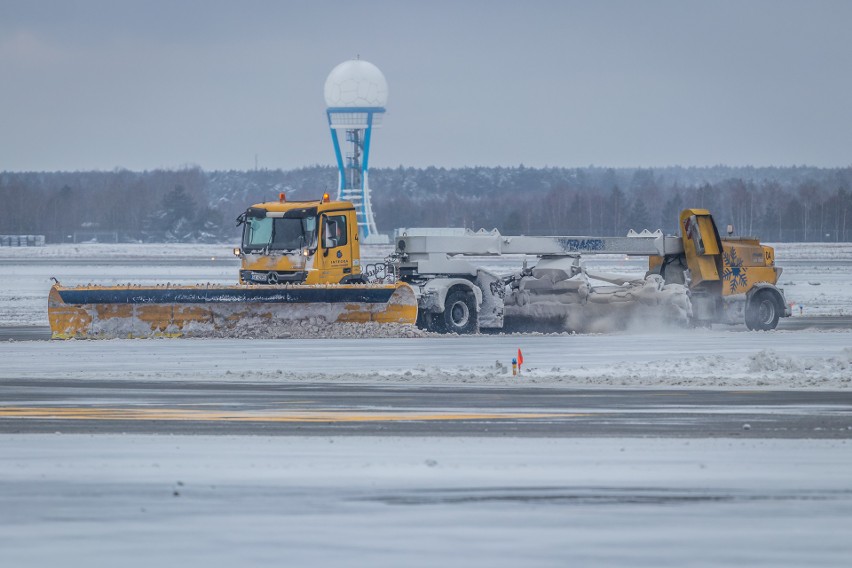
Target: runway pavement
{"x": 103, "y": 406}
{"x": 25, "y": 333}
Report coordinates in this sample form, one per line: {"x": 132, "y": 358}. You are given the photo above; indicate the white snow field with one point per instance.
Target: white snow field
{"x": 176, "y": 500}
{"x": 132, "y": 500}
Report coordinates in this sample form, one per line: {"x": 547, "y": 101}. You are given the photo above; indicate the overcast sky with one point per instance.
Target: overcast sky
{"x": 151, "y": 84}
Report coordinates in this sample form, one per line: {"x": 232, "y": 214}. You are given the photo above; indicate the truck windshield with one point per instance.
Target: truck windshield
{"x": 291, "y": 233}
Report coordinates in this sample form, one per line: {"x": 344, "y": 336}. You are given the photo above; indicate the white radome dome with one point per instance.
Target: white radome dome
{"x": 356, "y": 83}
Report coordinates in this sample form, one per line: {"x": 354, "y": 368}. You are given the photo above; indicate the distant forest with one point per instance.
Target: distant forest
{"x": 192, "y": 205}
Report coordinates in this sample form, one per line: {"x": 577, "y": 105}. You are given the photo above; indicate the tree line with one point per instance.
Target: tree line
{"x": 192, "y": 205}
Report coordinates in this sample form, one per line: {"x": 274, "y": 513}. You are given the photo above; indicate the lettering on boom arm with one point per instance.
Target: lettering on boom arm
{"x": 581, "y": 245}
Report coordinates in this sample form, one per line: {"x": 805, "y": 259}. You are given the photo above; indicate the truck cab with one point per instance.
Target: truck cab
{"x": 731, "y": 279}
{"x": 300, "y": 242}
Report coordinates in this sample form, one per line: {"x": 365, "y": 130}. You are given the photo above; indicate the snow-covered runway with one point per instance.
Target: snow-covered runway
{"x": 221, "y": 501}
{"x": 174, "y": 499}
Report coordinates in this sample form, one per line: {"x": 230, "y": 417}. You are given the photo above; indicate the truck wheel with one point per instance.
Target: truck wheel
{"x": 762, "y": 312}
{"x": 459, "y": 313}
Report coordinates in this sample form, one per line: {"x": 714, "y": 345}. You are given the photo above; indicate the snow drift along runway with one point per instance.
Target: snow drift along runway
{"x": 694, "y": 358}
{"x": 221, "y": 501}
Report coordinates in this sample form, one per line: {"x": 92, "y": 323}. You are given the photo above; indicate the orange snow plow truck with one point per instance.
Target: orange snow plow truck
{"x": 305, "y": 254}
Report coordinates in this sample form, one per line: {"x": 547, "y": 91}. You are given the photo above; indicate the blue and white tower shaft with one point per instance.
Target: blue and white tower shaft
{"x": 356, "y": 94}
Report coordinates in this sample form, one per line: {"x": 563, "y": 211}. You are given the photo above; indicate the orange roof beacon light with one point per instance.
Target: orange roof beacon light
{"x": 325, "y": 198}
{"x": 281, "y": 197}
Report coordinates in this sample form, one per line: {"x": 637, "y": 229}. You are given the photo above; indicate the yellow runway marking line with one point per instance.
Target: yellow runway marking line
{"x": 175, "y": 414}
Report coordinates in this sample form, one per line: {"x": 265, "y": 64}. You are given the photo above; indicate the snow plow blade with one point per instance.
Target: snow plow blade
{"x": 107, "y": 312}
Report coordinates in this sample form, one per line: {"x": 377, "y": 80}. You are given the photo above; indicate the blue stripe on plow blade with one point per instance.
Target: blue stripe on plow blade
{"x": 295, "y": 295}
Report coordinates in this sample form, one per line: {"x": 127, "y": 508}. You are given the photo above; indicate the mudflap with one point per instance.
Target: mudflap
{"x": 107, "y": 312}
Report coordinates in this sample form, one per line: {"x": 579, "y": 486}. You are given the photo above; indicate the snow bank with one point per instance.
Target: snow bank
{"x": 765, "y": 369}
{"x": 310, "y": 328}
{"x": 690, "y": 359}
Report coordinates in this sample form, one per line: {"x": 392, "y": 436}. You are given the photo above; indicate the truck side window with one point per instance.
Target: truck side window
{"x": 693, "y": 231}
{"x": 334, "y": 231}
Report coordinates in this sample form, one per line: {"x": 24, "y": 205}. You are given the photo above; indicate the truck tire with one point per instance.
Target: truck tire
{"x": 459, "y": 313}
{"x": 762, "y": 312}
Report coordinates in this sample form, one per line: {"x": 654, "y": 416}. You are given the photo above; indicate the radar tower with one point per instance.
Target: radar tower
{"x": 355, "y": 94}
